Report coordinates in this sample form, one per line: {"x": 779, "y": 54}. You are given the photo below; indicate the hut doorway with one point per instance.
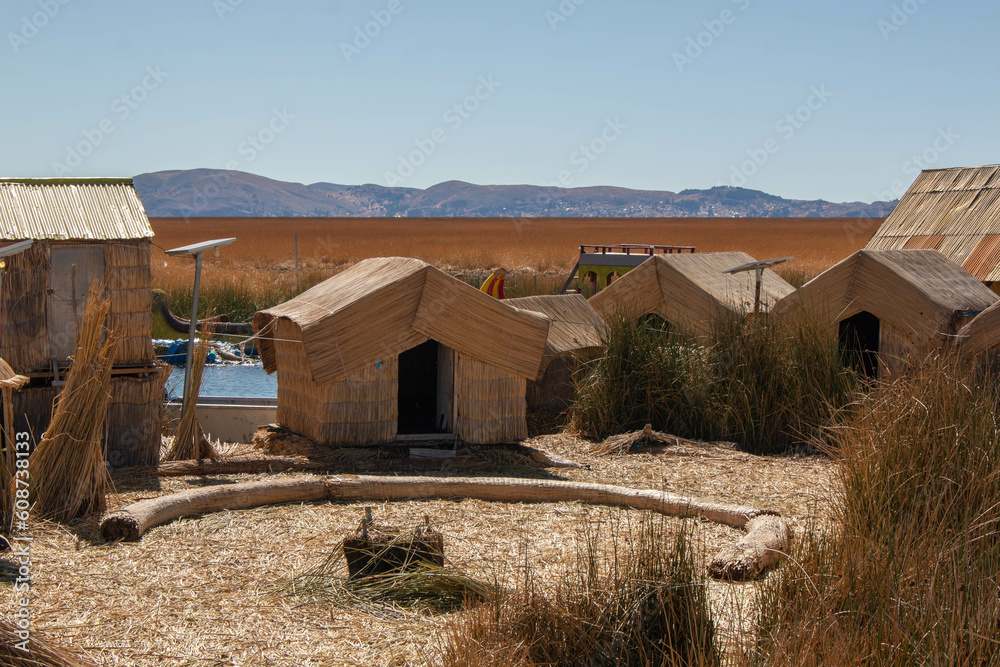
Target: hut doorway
{"x": 426, "y": 389}
{"x": 858, "y": 339}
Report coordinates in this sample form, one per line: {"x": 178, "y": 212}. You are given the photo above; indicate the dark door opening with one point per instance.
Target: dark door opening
{"x": 418, "y": 389}
{"x": 858, "y": 339}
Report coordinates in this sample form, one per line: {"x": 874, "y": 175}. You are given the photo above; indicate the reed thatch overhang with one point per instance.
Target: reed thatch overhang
{"x": 690, "y": 289}
{"x": 955, "y": 211}
{"x": 383, "y": 306}
{"x": 575, "y": 325}
{"x": 919, "y": 292}
{"x": 981, "y": 334}
{"x": 71, "y": 209}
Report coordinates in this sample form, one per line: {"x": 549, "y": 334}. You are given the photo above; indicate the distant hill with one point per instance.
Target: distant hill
{"x": 218, "y": 193}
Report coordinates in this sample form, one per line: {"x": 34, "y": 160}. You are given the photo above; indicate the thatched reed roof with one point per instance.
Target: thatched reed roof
{"x": 575, "y": 325}
{"x": 9, "y": 379}
{"x": 918, "y": 291}
{"x": 64, "y": 209}
{"x": 955, "y": 211}
{"x": 690, "y": 289}
{"x": 982, "y": 334}
{"x": 386, "y": 305}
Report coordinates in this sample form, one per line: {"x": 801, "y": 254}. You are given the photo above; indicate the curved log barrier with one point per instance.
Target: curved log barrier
{"x": 761, "y": 546}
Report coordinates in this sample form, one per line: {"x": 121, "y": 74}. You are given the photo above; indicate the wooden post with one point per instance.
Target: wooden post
{"x": 295, "y": 235}
{"x": 192, "y": 327}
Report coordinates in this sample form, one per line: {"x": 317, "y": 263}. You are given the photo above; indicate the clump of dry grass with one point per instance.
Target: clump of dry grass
{"x": 41, "y": 651}
{"x": 643, "y": 604}
{"x": 69, "y": 477}
{"x": 908, "y": 574}
{"x": 189, "y": 440}
{"x": 765, "y": 386}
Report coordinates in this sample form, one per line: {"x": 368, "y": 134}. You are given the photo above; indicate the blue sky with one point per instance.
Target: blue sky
{"x": 808, "y": 100}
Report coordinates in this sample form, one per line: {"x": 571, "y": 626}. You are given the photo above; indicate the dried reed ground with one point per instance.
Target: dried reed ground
{"x": 202, "y": 591}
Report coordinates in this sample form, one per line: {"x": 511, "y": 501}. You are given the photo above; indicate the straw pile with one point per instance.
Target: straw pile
{"x": 129, "y": 288}
{"x": 41, "y": 651}
{"x": 68, "y": 475}
{"x": 624, "y": 443}
{"x": 190, "y": 441}
{"x": 25, "y": 342}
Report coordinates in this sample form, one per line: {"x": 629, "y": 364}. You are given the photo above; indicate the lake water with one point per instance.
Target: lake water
{"x": 248, "y": 380}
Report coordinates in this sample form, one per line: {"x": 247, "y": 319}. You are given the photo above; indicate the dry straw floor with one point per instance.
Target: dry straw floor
{"x": 208, "y": 590}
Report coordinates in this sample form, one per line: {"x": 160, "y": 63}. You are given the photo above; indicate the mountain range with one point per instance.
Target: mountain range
{"x": 221, "y": 193}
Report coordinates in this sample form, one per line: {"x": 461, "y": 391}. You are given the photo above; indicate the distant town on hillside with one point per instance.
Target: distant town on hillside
{"x": 220, "y": 193}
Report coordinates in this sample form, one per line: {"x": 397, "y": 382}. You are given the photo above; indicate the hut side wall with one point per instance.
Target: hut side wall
{"x": 129, "y": 283}
{"x": 135, "y": 418}
{"x": 896, "y": 349}
{"x": 359, "y": 409}
{"x": 491, "y": 403}
{"x": 556, "y": 389}
{"x": 24, "y": 341}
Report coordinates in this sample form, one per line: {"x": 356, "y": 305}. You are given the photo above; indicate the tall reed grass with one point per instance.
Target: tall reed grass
{"x": 765, "y": 386}
{"x": 908, "y": 573}
{"x": 642, "y": 604}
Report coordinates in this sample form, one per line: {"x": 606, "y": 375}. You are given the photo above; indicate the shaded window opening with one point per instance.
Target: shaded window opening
{"x": 858, "y": 339}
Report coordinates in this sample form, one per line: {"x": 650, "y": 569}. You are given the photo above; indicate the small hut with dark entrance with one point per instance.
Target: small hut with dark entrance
{"x": 889, "y": 305}
{"x": 690, "y": 290}
{"x": 81, "y": 231}
{"x": 394, "y": 347}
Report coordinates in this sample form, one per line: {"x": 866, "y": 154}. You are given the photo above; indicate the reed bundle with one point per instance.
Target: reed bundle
{"x": 69, "y": 477}
{"x": 41, "y": 651}
{"x": 9, "y": 382}
{"x": 623, "y": 443}
{"x": 190, "y": 441}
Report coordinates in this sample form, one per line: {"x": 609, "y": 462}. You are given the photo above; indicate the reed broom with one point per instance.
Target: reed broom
{"x": 189, "y": 441}
{"x": 69, "y": 477}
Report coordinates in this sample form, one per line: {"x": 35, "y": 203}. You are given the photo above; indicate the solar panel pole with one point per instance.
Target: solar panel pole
{"x": 192, "y": 326}
{"x": 198, "y": 250}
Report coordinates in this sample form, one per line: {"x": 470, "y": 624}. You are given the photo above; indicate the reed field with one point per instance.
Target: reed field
{"x": 258, "y": 270}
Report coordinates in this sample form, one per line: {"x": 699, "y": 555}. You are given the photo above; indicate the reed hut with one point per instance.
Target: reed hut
{"x": 575, "y": 332}
{"x": 954, "y": 211}
{"x": 889, "y": 305}
{"x": 84, "y": 231}
{"x": 394, "y": 348}
{"x": 979, "y": 339}
{"x": 690, "y": 291}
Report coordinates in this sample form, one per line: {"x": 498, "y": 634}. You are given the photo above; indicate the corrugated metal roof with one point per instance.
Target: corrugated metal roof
{"x": 64, "y": 209}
